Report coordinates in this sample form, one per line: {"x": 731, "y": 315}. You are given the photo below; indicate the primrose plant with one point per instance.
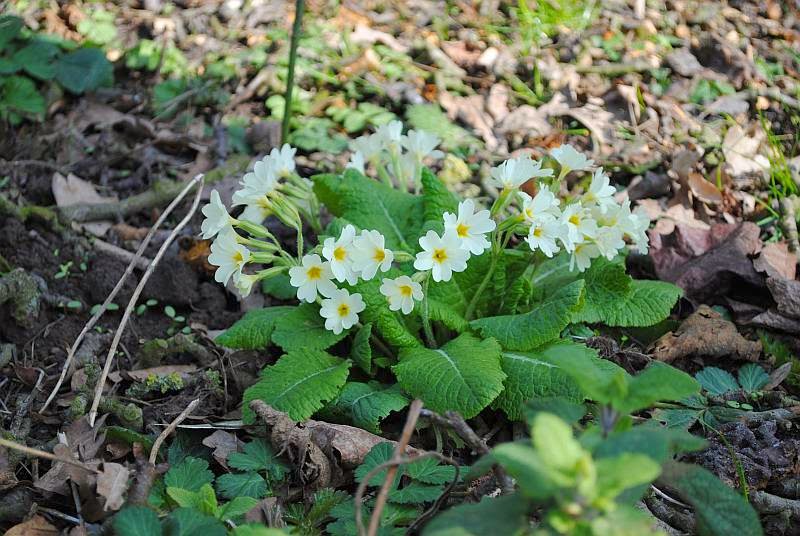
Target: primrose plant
{"x": 442, "y": 289}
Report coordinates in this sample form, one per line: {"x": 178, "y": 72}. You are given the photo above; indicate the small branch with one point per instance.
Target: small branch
{"x": 98, "y": 392}
{"x": 297, "y": 31}
{"x": 128, "y": 271}
{"x": 44, "y": 455}
{"x": 766, "y": 503}
{"x": 171, "y": 428}
{"x": 383, "y": 494}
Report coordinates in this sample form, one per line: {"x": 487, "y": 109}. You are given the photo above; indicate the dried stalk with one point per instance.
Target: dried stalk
{"x": 171, "y": 428}
{"x": 30, "y": 451}
{"x": 128, "y": 271}
{"x": 98, "y": 391}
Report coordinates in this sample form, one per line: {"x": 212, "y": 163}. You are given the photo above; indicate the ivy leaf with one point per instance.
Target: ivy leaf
{"x": 303, "y": 328}
{"x": 717, "y": 381}
{"x": 369, "y": 204}
{"x": 298, "y": 384}
{"x": 361, "y": 352}
{"x": 719, "y": 510}
{"x": 82, "y": 70}
{"x": 502, "y": 515}
{"x": 190, "y": 522}
{"x": 529, "y": 375}
{"x": 464, "y": 375}
{"x": 752, "y": 377}
{"x": 137, "y": 521}
{"x": 250, "y": 484}
{"x": 436, "y": 198}
{"x": 648, "y": 303}
{"x": 254, "y": 329}
{"x": 542, "y": 324}
{"x": 190, "y": 474}
{"x": 257, "y": 456}
{"x": 365, "y": 404}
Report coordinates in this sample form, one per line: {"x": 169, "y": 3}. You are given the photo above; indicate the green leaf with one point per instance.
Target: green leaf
{"x": 365, "y": 405}
{"x": 254, "y": 330}
{"x": 361, "y": 352}
{"x": 430, "y": 471}
{"x": 563, "y": 408}
{"x": 522, "y": 462}
{"x": 506, "y": 515}
{"x": 190, "y": 474}
{"x": 236, "y": 507}
{"x": 84, "y": 70}
{"x": 441, "y": 312}
{"x": 279, "y": 286}
{"x": 464, "y": 375}
{"x": 19, "y": 93}
{"x": 37, "y": 59}
{"x": 431, "y": 118}
{"x": 369, "y": 204}
{"x": 719, "y": 510}
{"x": 615, "y": 475}
{"x": 258, "y": 456}
{"x": 379, "y": 454}
{"x": 658, "y": 382}
{"x": 436, "y": 198}
{"x": 304, "y": 329}
{"x": 253, "y": 529}
{"x": 298, "y": 384}
{"x": 649, "y": 439}
{"x": 204, "y": 499}
{"x": 415, "y": 493}
{"x": 10, "y": 27}
{"x": 752, "y": 377}
{"x": 462, "y": 287}
{"x": 717, "y": 381}
{"x": 542, "y": 324}
{"x": 390, "y": 325}
{"x": 528, "y": 376}
{"x": 190, "y": 522}
{"x": 607, "y": 288}
{"x": 648, "y": 303}
{"x": 233, "y": 485}
{"x": 554, "y": 443}
{"x": 134, "y": 520}
{"x": 8, "y": 66}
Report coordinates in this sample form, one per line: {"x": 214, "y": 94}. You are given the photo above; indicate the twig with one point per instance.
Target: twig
{"x": 766, "y": 503}
{"x": 122, "y": 254}
{"x": 128, "y": 271}
{"x": 383, "y": 494}
{"x": 98, "y": 391}
{"x": 297, "y": 30}
{"x": 171, "y": 428}
{"x": 30, "y": 451}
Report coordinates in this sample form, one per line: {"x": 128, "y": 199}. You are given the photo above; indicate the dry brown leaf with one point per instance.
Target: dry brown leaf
{"x": 112, "y": 483}
{"x": 741, "y": 153}
{"x": 705, "y": 334}
{"x": 776, "y": 260}
{"x": 471, "y": 111}
{"x": 36, "y": 526}
{"x": 223, "y": 443}
{"x": 704, "y": 190}
{"x": 72, "y": 190}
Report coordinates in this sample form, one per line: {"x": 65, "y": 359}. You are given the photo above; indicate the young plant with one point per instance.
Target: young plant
{"x": 458, "y": 304}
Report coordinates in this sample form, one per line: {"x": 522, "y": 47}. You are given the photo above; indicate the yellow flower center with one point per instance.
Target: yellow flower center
{"x": 315, "y": 272}
{"x": 405, "y": 290}
{"x": 339, "y": 253}
{"x": 537, "y": 232}
{"x": 439, "y": 255}
{"x": 529, "y": 212}
{"x": 264, "y": 203}
{"x": 237, "y": 257}
{"x": 575, "y": 220}
{"x": 462, "y": 230}
{"x": 343, "y": 309}
{"x": 379, "y": 255}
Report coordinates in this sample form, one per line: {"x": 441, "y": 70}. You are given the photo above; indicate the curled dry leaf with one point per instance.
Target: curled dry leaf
{"x": 112, "y": 483}
{"x": 705, "y": 333}
{"x": 223, "y": 443}
{"x": 36, "y": 526}
{"x": 776, "y": 261}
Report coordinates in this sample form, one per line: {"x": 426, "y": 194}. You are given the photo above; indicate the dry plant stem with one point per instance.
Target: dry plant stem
{"x": 98, "y": 391}
{"x": 789, "y": 223}
{"x": 383, "y": 494}
{"x": 128, "y": 271}
{"x": 43, "y": 454}
{"x": 171, "y": 428}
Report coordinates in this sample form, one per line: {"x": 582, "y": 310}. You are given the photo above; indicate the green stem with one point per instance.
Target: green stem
{"x": 486, "y": 278}
{"x": 426, "y": 319}
{"x": 297, "y": 30}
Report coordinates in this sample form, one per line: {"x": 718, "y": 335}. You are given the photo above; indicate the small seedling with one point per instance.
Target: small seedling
{"x": 63, "y": 270}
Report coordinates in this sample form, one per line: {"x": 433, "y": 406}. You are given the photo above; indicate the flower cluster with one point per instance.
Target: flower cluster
{"x": 592, "y": 225}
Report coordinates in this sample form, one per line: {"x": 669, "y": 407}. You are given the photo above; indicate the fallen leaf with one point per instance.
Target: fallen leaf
{"x": 786, "y": 293}
{"x": 36, "y": 526}
{"x": 741, "y": 153}
{"x": 776, "y": 261}
{"x": 705, "y": 334}
{"x": 471, "y": 111}
{"x": 112, "y": 483}
{"x": 703, "y": 190}
{"x": 72, "y": 190}
{"x": 223, "y": 444}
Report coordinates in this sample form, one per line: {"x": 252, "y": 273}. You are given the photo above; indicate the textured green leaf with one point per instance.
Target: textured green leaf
{"x": 10, "y": 26}
{"x": 298, "y": 384}
{"x": 648, "y": 303}
{"x": 85, "y": 69}
{"x": 303, "y": 328}
{"x": 190, "y": 474}
{"x": 415, "y": 493}
{"x": 258, "y": 456}
{"x": 752, "y": 377}
{"x": 135, "y": 520}
{"x": 652, "y": 440}
{"x": 379, "y": 454}
{"x": 436, "y": 198}
{"x": 717, "y": 381}
{"x": 204, "y": 499}
{"x": 369, "y": 204}
{"x": 20, "y": 94}
{"x": 254, "y": 329}
{"x": 464, "y": 375}
{"x": 528, "y": 376}
{"x": 627, "y": 470}
{"x": 365, "y": 405}
{"x": 279, "y": 286}
{"x": 37, "y": 59}
{"x": 607, "y": 287}
{"x": 542, "y": 324}
{"x": 523, "y": 463}
{"x": 719, "y": 510}
{"x": 237, "y": 507}
{"x": 658, "y": 382}
{"x": 361, "y": 352}
{"x": 461, "y": 289}
{"x": 390, "y": 325}
{"x": 506, "y": 515}
{"x": 190, "y": 522}
{"x": 441, "y": 312}
{"x": 430, "y": 471}
{"x": 233, "y": 485}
